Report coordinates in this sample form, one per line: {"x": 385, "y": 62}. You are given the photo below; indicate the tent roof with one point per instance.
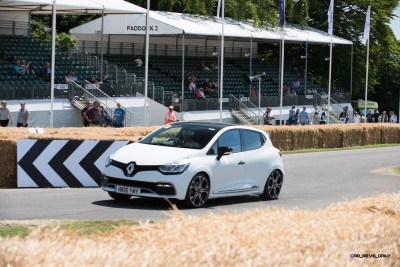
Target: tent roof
{"x": 70, "y": 6}
{"x": 169, "y": 23}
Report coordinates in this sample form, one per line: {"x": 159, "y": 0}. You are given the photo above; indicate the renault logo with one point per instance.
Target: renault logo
{"x": 130, "y": 168}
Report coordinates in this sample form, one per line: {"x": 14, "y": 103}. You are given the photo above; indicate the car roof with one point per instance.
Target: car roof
{"x": 218, "y": 126}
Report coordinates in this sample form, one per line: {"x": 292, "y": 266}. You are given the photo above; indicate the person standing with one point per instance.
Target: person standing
{"x": 357, "y": 117}
{"x": 376, "y": 116}
{"x": 94, "y": 115}
{"x": 170, "y": 116}
{"x": 383, "y": 118}
{"x": 303, "y": 117}
{"x": 315, "y": 118}
{"x": 268, "y": 117}
{"x": 370, "y": 116}
{"x": 5, "y": 115}
{"x": 323, "y": 117}
{"x": 393, "y": 117}
{"x": 296, "y": 117}
{"x": 23, "y": 116}
{"x": 85, "y": 122}
{"x": 344, "y": 115}
{"x": 292, "y": 111}
{"x": 119, "y": 116}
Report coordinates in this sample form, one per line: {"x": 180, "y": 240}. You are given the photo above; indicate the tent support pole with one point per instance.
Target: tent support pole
{"x": 53, "y": 62}
{"x": 306, "y": 72}
{"x": 183, "y": 68}
{"x": 102, "y": 46}
{"x": 146, "y": 75}
{"x": 282, "y": 72}
{"x": 251, "y": 62}
{"x": 351, "y": 72}
{"x": 222, "y": 63}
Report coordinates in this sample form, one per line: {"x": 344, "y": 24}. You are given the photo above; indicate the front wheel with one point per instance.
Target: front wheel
{"x": 198, "y": 191}
{"x": 119, "y": 197}
{"x": 272, "y": 186}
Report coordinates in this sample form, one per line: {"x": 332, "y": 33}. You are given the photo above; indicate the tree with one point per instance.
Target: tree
{"x": 349, "y": 19}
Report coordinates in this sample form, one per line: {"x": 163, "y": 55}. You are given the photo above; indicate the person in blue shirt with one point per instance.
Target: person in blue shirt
{"x": 119, "y": 116}
{"x": 304, "y": 117}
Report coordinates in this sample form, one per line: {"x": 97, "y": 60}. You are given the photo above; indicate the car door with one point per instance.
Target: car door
{"x": 256, "y": 164}
{"x": 228, "y": 172}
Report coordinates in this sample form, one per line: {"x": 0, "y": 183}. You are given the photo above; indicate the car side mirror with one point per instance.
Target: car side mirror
{"x": 223, "y": 150}
{"x": 140, "y": 138}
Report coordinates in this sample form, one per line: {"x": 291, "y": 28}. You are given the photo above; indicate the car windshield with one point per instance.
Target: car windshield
{"x": 181, "y": 135}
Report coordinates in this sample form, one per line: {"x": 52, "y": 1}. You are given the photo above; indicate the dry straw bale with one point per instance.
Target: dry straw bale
{"x": 390, "y": 134}
{"x": 8, "y": 152}
{"x": 263, "y": 237}
{"x": 352, "y": 135}
{"x": 372, "y": 134}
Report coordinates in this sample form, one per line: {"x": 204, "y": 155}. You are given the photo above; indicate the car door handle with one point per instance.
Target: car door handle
{"x": 241, "y": 163}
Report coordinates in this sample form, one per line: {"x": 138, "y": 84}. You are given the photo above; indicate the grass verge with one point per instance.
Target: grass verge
{"x": 81, "y": 228}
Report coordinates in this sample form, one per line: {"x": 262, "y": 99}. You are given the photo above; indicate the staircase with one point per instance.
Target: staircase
{"x": 334, "y": 109}
{"x": 241, "y": 111}
{"x": 243, "y": 117}
{"x": 78, "y": 95}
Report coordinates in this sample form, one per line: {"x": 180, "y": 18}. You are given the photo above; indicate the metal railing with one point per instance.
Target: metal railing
{"x": 335, "y": 108}
{"x": 78, "y": 93}
{"x": 239, "y": 105}
{"x": 14, "y": 27}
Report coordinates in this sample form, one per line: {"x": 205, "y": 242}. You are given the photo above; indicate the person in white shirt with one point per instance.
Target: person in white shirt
{"x": 393, "y": 117}
{"x": 356, "y": 118}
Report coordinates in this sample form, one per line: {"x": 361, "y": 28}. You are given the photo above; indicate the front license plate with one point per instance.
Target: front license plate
{"x": 127, "y": 190}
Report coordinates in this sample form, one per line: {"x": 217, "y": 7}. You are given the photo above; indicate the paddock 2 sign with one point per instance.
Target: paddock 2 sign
{"x": 62, "y": 163}
{"x": 136, "y": 28}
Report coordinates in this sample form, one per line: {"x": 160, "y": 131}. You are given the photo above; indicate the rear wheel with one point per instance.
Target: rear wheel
{"x": 119, "y": 197}
{"x": 198, "y": 191}
{"x": 273, "y": 186}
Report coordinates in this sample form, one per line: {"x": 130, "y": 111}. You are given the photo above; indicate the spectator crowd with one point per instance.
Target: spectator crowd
{"x": 319, "y": 116}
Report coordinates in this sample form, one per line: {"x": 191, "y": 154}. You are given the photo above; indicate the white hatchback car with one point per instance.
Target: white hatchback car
{"x": 195, "y": 162}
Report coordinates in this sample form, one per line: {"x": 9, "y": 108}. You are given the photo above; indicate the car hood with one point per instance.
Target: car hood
{"x": 144, "y": 154}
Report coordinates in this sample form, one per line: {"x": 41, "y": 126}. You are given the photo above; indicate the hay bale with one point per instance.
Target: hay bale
{"x": 331, "y": 136}
{"x": 390, "y": 134}
{"x": 8, "y": 159}
{"x": 371, "y": 134}
{"x": 351, "y": 136}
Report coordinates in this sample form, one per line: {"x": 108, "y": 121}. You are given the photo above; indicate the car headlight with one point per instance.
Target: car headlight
{"x": 174, "y": 167}
{"x": 108, "y": 161}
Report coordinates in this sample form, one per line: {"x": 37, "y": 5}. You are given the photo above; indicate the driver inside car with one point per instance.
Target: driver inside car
{"x": 188, "y": 140}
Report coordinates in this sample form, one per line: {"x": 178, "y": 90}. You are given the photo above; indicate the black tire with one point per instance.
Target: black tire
{"x": 273, "y": 186}
{"x": 198, "y": 191}
{"x": 119, "y": 197}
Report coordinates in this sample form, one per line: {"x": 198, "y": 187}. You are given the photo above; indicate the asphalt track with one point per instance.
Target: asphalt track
{"x": 312, "y": 180}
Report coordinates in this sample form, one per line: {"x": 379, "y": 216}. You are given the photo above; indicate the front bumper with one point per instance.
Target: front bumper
{"x": 151, "y": 183}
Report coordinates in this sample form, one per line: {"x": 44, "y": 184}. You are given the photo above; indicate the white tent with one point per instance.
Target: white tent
{"x": 70, "y": 6}
{"x": 66, "y": 7}
{"x": 168, "y": 23}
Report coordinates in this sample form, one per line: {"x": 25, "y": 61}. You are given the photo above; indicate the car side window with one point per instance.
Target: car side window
{"x": 251, "y": 140}
{"x": 229, "y": 139}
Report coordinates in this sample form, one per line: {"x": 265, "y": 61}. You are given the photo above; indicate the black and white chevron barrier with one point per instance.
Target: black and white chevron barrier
{"x": 62, "y": 163}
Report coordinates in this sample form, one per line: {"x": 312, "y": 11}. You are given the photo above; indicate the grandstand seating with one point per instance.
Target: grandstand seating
{"x": 164, "y": 71}
{"x": 15, "y": 47}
